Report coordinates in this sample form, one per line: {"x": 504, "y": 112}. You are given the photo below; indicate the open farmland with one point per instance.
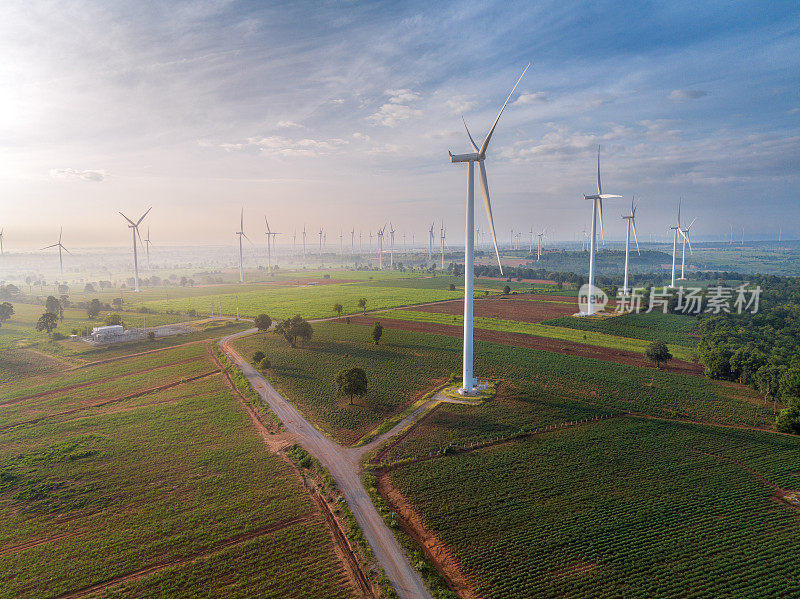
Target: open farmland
{"x": 135, "y": 478}
{"x": 623, "y": 507}
{"x": 309, "y": 302}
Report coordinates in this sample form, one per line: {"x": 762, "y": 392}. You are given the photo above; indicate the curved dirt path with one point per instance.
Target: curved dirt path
{"x": 344, "y": 465}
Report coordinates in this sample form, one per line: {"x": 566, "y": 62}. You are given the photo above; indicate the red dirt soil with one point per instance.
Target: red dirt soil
{"x": 508, "y": 309}
{"x": 533, "y": 342}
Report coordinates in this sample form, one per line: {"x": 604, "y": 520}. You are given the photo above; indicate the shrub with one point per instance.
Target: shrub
{"x": 265, "y": 363}
{"x": 151, "y": 335}
{"x": 506, "y": 290}
{"x": 258, "y": 356}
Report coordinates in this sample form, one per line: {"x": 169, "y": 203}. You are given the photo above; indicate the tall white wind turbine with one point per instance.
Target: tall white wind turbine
{"x": 147, "y": 243}
{"x": 442, "y": 235}
{"x": 304, "y": 243}
{"x": 597, "y": 210}
{"x": 1, "y": 242}
{"x": 539, "y": 245}
{"x": 685, "y": 234}
{"x": 241, "y": 234}
{"x": 60, "y": 247}
{"x": 380, "y": 246}
{"x": 631, "y": 218}
{"x": 134, "y": 227}
{"x": 391, "y": 246}
{"x": 469, "y": 383}
{"x": 270, "y": 242}
{"x": 675, "y": 230}
{"x": 430, "y": 241}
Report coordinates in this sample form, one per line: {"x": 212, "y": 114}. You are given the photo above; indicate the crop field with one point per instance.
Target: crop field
{"x": 309, "y": 302}
{"x": 673, "y": 329}
{"x": 623, "y": 507}
{"x": 130, "y": 490}
{"x": 407, "y": 364}
{"x": 540, "y": 330}
{"x": 537, "y": 309}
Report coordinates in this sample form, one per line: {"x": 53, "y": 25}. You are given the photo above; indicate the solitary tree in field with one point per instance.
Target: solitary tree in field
{"x": 118, "y": 301}
{"x": 658, "y": 353}
{"x": 506, "y": 290}
{"x": 338, "y": 309}
{"x": 263, "y": 322}
{"x": 362, "y": 303}
{"x": 47, "y": 322}
{"x": 351, "y": 382}
{"x": 94, "y": 307}
{"x": 6, "y": 311}
{"x": 113, "y": 319}
{"x": 51, "y": 304}
{"x": 377, "y": 332}
{"x": 293, "y": 329}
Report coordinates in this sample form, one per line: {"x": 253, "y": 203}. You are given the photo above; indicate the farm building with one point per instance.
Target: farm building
{"x": 107, "y": 332}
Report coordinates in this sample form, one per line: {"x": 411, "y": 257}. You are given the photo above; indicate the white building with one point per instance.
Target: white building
{"x": 108, "y": 332}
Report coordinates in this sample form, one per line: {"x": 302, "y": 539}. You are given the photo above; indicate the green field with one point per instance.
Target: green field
{"x": 623, "y": 507}
{"x": 173, "y": 487}
{"x": 674, "y": 329}
{"x": 576, "y": 335}
{"x": 406, "y": 364}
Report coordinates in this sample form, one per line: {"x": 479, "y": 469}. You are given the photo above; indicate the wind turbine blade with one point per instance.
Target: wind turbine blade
{"x": 690, "y": 224}
{"x": 599, "y": 187}
{"x": 485, "y": 144}
{"x": 138, "y": 222}
{"x": 636, "y": 239}
{"x": 600, "y": 213}
{"x": 50, "y": 246}
{"x": 60, "y": 233}
{"x": 247, "y": 238}
{"x": 267, "y": 223}
{"x": 686, "y": 237}
{"x": 138, "y": 235}
{"x": 66, "y": 250}
{"x": 127, "y": 219}
{"x": 488, "y": 205}
{"x": 474, "y": 145}
{"x": 679, "y": 212}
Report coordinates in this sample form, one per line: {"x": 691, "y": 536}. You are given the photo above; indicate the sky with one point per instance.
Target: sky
{"x": 340, "y": 115}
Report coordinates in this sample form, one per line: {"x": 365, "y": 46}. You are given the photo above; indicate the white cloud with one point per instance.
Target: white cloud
{"x": 531, "y": 98}
{"x": 389, "y": 115}
{"x": 793, "y": 111}
{"x": 284, "y": 146}
{"x": 288, "y": 125}
{"x": 561, "y": 142}
{"x": 76, "y": 174}
{"x": 659, "y": 130}
{"x": 460, "y": 105}
{"x": 683, "y": 95}
{"x": 401, "y": 96}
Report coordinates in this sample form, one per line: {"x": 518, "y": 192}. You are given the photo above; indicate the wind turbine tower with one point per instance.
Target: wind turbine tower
{"x": 442, "y": 235}
{"x": 468, "y": 382}
{"x": 60, "y": 247}
{"x": 134, "y": 227}
{"x": 539, "y": 245}
{"x": 270, "y": 241}
{"x": 241, "y": 234}
{"x": 430, "y": 241}
{"x": 631, "y": 218}
{"x": 597, "y": 210}
{"x": 685, "y": 233}
{"x": 147, "y": 243}
{"x": 675, "y": 230}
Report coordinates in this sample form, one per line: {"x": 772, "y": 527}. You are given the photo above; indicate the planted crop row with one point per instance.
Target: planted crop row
{"x": 619, "y": 507}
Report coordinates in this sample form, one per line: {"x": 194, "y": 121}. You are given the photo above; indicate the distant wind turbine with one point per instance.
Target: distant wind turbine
{"x": 468, "y": 382}
{"x": 1, "y": 242}
{"x": 597, "y": 210}
{"x": 134, "y": 227}
{"x": 380, "y": 246}
{"x": 270, "y": 242}
{"x": 675, "y": 230}
{"x": 430, "y": 241}
{"x": 539, "y": 245}
{"x": 60, "y": 247}
{"x": 391, "y": 246}
{"x": 147, "y": 243}
{"x": 631, "y": 218}
{"x": 442, "y": 235}
{"x": 686, "y": 240}
{"x": 241, "y": 234}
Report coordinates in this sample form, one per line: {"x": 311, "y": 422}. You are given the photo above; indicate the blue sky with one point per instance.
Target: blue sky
{"x": 341, "y": 115}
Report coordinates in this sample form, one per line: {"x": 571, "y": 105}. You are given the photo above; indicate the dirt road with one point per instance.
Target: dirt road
{"x": 344, "y": 465}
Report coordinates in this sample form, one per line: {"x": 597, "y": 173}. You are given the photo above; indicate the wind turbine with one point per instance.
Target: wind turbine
{"x": 685, "y": 233}
{"x": 352, "y": 241}
{"x": 391, "y": 245}
{"x": 294, "y": 243}
{"x": 468, "y": 382}
{"x": 380, "y": 246}
{"x": 742, "y": 236}
{"x": 60, "y": 247}
{"x": 631, "y": 218}
{"x": 539, "y": 245}
{"x": 1, "y": 242}
{"x": 147, "y": 243}
{"x": 430, "y": 241}
{"x": 731, "y": 240}
{"x": 675, "y": 230}
{"x": 304, "y": 243}
{"x": 241, "y": 234}
{"x": 530, "y": 244}
{"x": 270, "y": 239}
{"x": 134, "y": 227}
{"x": 442, "y": 235}
{"x": 597, "y": 209}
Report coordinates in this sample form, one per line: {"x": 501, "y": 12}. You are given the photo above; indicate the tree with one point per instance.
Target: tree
{"x": 6, "y": 311}
{"x": 767, "y": 380}
{"x": 452, "y": 286}
{"x": 658, "y": 353}
{"x": 94, "y": 307}
{"x": 790, "y": 384}
{"x": 788, "y": 421}
{"x": 47, "y": 322}
{"x": 362, "y": 303}
{"x": 151, "y": 335}
{"x": 263, "y": 322}
{"x": 293, "y": 329}
{"x": 265, "y": 363}
{"x": 377, "y": 332}
{"x": 338, "y": 309}
{"x": 506, "y": 290}
{"x": 51, "y": 304}
{"x": 351, "y": 382}
{"x": 258, "y": 356}
{"x": 113, "y": 319}
{"x": 117, "y": 302}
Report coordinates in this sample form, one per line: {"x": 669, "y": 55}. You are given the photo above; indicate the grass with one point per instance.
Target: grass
{"x": 173, "y": 478}
{"x": 407, "y": 364}
{"x": 623, "y": 507}
{"x": 673, "y": 329}
{"x": 588, "y": 337}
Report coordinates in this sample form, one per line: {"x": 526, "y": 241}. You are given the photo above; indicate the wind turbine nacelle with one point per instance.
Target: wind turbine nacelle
{"x": 474, "y": 157}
